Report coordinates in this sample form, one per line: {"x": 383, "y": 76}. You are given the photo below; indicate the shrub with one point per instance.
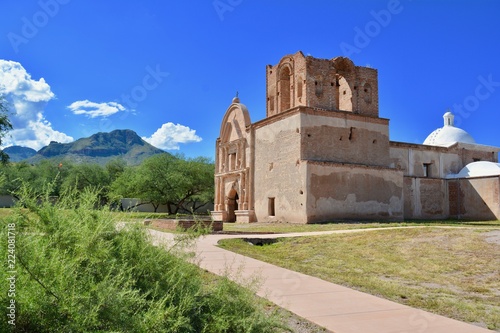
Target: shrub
{"x": 77, "y": 272}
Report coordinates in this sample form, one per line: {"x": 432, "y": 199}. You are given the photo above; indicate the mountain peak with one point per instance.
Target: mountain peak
{"x": 100, "y": 148}
{"x": 18, "y": 153}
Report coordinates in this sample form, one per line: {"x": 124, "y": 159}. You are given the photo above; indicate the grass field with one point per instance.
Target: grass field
{"x": 291, "y": 227}
{"x": 454, "y": 272}
{"x": 5, "y": 212}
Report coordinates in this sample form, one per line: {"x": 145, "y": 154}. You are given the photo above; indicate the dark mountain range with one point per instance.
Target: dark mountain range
{"x": 98, "y": 148}
{"x": 18, "y": 153}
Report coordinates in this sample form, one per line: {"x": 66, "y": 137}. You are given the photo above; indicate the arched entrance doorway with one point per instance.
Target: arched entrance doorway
{"x": 232, "y": 205}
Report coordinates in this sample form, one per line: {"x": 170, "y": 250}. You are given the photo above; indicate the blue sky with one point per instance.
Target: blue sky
{"x": 169, "y": 69}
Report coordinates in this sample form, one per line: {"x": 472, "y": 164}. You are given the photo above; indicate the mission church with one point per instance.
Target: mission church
{"x": 323, "y": 153}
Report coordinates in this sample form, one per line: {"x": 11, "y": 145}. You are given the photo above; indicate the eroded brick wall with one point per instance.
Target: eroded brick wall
{"x": 348, "y": 191}
{"x": 425, "y": 198}
{"x": 344, "y": 137}
{"x": 329, "y": 84}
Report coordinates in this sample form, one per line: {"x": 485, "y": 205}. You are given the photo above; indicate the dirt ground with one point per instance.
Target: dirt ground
{"x": 493, "y": 237}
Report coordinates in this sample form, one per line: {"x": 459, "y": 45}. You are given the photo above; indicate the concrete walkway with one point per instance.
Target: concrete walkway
{"x": 337, "y": 308}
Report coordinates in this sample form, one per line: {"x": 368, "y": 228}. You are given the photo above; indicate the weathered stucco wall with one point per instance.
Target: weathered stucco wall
{"x": 411, "y": 159}
{"x": 344, "y": 137}
{"x": 279, "y": 174}
{"x": 471, "y": 153}
{"x": 348, "y": 191}
{"x": 475, "y": 198}
{"x": 425, "y": 198}
{"x": 441, "y": 161}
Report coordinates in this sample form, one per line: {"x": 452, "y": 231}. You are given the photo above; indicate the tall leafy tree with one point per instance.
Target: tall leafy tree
{"x": 168, "y": 180}
{"x": 83, "y": 176}
{"x": 115, "y": 168}
{"x": 47, "y": 173}
{"x": 194, "y": 183}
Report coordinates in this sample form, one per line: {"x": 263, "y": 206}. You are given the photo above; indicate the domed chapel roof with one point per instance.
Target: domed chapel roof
{"x": 478, "y": 169}
{"x": 448, "y": 134}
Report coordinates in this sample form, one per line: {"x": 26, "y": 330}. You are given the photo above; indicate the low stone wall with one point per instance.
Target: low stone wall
{"x": 172, "y": 224}
{"x": 135, "y": 205}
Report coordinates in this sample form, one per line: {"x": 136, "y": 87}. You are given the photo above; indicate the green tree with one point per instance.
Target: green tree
{"x": 13, "y": 174}
{"x": 151, "y": 181}
{"x": 123, "y": 185}
{"x": 115, "y": 168}
{"x": 50, "y": 172}
{"x": 40, "y": 176}
{"x": 168, "y": 180}
{"x": 5, "y": 126}
{"x": 82, "y": 176}
{"x": 194, "y": 186}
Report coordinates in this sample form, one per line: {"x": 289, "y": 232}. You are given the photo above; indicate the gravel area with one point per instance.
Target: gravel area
{"x": 300, "y": 325}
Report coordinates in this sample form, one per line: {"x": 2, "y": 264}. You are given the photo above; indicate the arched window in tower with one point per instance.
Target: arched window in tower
{"x": 345, "y": 95}
{"x": 284, "y": 89}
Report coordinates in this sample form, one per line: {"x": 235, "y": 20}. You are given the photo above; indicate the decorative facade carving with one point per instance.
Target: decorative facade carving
{"x": 231, "y": 169}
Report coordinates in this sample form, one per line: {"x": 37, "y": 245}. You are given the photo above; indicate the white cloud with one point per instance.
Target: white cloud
{"x": 94, "y": 110}
{"x": 169, "y": 135}
{"x": 15, "y": 81}
{"x": 27, "y": 99}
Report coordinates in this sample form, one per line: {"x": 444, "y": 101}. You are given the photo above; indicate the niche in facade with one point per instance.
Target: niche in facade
{"x": 285, "y": 88}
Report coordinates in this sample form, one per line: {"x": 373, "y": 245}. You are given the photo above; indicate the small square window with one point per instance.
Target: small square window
{"x": 427, "y": 169}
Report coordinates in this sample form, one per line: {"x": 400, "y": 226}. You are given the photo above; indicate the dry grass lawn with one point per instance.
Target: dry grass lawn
{"x": 454, "y": 272}
{"x": 291, "y": 227}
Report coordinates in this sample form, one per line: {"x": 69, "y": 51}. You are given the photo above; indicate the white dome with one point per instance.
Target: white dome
{"x": 448, "y": 134}
{"x": 478, "y": 169}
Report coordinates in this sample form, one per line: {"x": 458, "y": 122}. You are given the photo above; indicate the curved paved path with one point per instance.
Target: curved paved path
{"x": 337, "y": 308}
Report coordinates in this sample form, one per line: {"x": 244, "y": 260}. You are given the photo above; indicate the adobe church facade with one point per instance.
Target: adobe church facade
{"x": 323, "y": 153}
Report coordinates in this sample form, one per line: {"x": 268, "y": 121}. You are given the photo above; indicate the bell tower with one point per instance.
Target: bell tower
{"x": 333, "y": 85}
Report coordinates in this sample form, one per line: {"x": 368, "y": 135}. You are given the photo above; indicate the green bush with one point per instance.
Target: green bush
{"x": 77, "y": 272}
